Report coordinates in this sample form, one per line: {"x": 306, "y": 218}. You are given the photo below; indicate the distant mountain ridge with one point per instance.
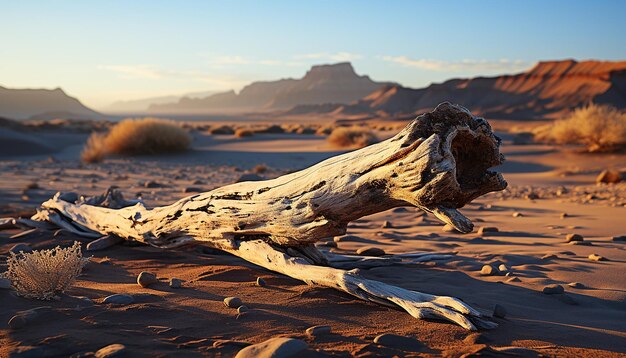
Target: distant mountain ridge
{"x": 142, "y": 105}
{"x": 336, "y": 83}
{"x": 41, "y": 103}
{"x": 547, "y": 90}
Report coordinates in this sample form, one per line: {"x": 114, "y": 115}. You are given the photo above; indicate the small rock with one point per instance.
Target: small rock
{"x": 260, "y": 282}
{"x": 487, "y": 230}
{"x": 119, "y": 299}
{"x": 563, "y": 215}
{"x": 23, "y": 318}
{"x": 573, "y": 237}
{"x": 279, "y": 347}
{"x": 517, "y": 214}
{"x": 499, "y": 311}
{"x": 553, "y": 289}
{"x": 476, "y": 338}
{"x": 532, "y": 196}
{"x": 104, "y": 242}
{"x": 232, "y": 302}
{"x": 387, "y": 225}
{"x": 399, "y": 342}
{"x": 192, "y": 189}
{"x": 576, "y": 285}
{"x": 596, "y": 257}
{"x": 370, "y": 251}
{"x": 110, "y": 351}
{"x": 514, "y": 279}
{"x": 176, "y": 282}
{"x": 488, "y": 270}
{"x": 609, "y": 177}
{"x": 318, "y": 331}
{"x": 503, "y": 268}
{"x": 145, "y": 279}
{"x": 152, "y": 184}
{"x": 20, "y": 248}
{"x": 619, "y": 238}
{"x": 5, "y": 283}
{"x": 242, "y": 309}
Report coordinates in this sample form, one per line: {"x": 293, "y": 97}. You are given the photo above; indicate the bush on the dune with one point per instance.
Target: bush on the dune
{"x": 601, "y": 128}
{"x": 136, "y": 137}
{"x": 352, "y": 137}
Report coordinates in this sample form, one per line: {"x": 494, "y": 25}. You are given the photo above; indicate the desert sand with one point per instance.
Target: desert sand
{"x": 552, "y": 193}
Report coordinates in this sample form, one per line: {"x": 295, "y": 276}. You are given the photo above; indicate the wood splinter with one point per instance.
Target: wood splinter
{"x": 439, "y": 162}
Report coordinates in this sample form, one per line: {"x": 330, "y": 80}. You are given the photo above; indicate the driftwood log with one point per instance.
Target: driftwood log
{"x": 438, "y": 163}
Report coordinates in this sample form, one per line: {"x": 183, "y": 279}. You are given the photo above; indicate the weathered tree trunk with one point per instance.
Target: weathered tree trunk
{"x": 438, "y": 163}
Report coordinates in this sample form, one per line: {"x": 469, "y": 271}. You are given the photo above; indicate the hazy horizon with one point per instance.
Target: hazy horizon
{"x": 102, "y": 52}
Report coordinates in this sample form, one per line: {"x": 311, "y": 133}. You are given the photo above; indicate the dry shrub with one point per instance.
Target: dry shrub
{"x": 260, "y": 169}
{"x": 137, "y": 136}
{"x": 42, "y": 274}
{"x": 352, "y": 137}
{"x": 601, "y": 128}
{"x": 243, "y": 132}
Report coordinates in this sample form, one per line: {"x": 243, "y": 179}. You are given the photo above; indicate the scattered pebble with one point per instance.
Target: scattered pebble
{"x": 318, "y": 331}
{"x": 387, "y": 225}
{"x": 279, "y": 347}
{"x": 260, "y": 282}
{"x": 232, "y": 302}
{"x": 574, "y": 237}
{"x": 576, "y": 285}
{"x": 104, "y": 242}
{"x": 488, "y": 270}
{"x": 242, "y": 309}
{"x": 370, "y": 251}
{"x": 119, "y": 299}
{"x": 110, "y": 351}
{"x": 553, "y": 289}
{"x": 176, "y": 282}
{"x": 20, "y": 248}
{"x": 487, "y": 230}
{"x": 503, "y": 268}
{"x": 596, "y": 257}
{"x": 145, "y": 279}
{"x": 399, "y": 342}
{"x": 517, "y": 214}
{"x": 499, "y": 311}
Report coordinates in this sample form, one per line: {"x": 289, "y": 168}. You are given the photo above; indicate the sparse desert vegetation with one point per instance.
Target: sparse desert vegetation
{"x": 136, "y": 137}
{"x": 601, "y": 128}
{"x": 352, "y": 137}
{"x": 42, "y": 274}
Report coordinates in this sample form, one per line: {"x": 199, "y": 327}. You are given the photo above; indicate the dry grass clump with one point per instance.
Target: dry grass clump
{"x": 137, "y": 136}
{"x": 42, "y": 274}
{"x": 243, "y": 132}
{"x": 352, "y": 137}
{"x": 601, "y": 128}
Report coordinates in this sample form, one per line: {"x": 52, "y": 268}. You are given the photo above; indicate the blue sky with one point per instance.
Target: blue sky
{"x": 102, "y": 51}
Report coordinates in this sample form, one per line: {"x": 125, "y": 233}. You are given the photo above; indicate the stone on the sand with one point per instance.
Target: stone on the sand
{"x": 318, "y": 330}
{"x": 399, "y": 342}
{"x": 370, "y": 251}
{"x": 110, "y": 351}
{"x": 487, "y": 230}
{"x": 232, "y": 302}
{"x": 145, "y": 279}
{"x": 553, "y": 289}
{"x": 564, "y": 215}
{"x": 242, "y": 309}
{"x": 609, "y": 176}
{"x": 20, "y": 248}
{"x": 104, "y": 242}
{"x": 22, "y": 318}
{"x": 573, "y": 237}
{"x": 596, "y": 257}
{"x": 499, "y": 311}
{"x": 576, "y": 285}
{"x": 152, "y": 184}
{"x": 5, "y": 283}
{"x": 387, "y": 224}
{"x": 517, "y": 214}
{"x": 260, "y": 282}
{"x": 279, "y": 347}
{"x": 119, "y": 299}
{"x": 503, "y": 268}
{"x": 176, "y": 282}
{"x": 488, "y": 270}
